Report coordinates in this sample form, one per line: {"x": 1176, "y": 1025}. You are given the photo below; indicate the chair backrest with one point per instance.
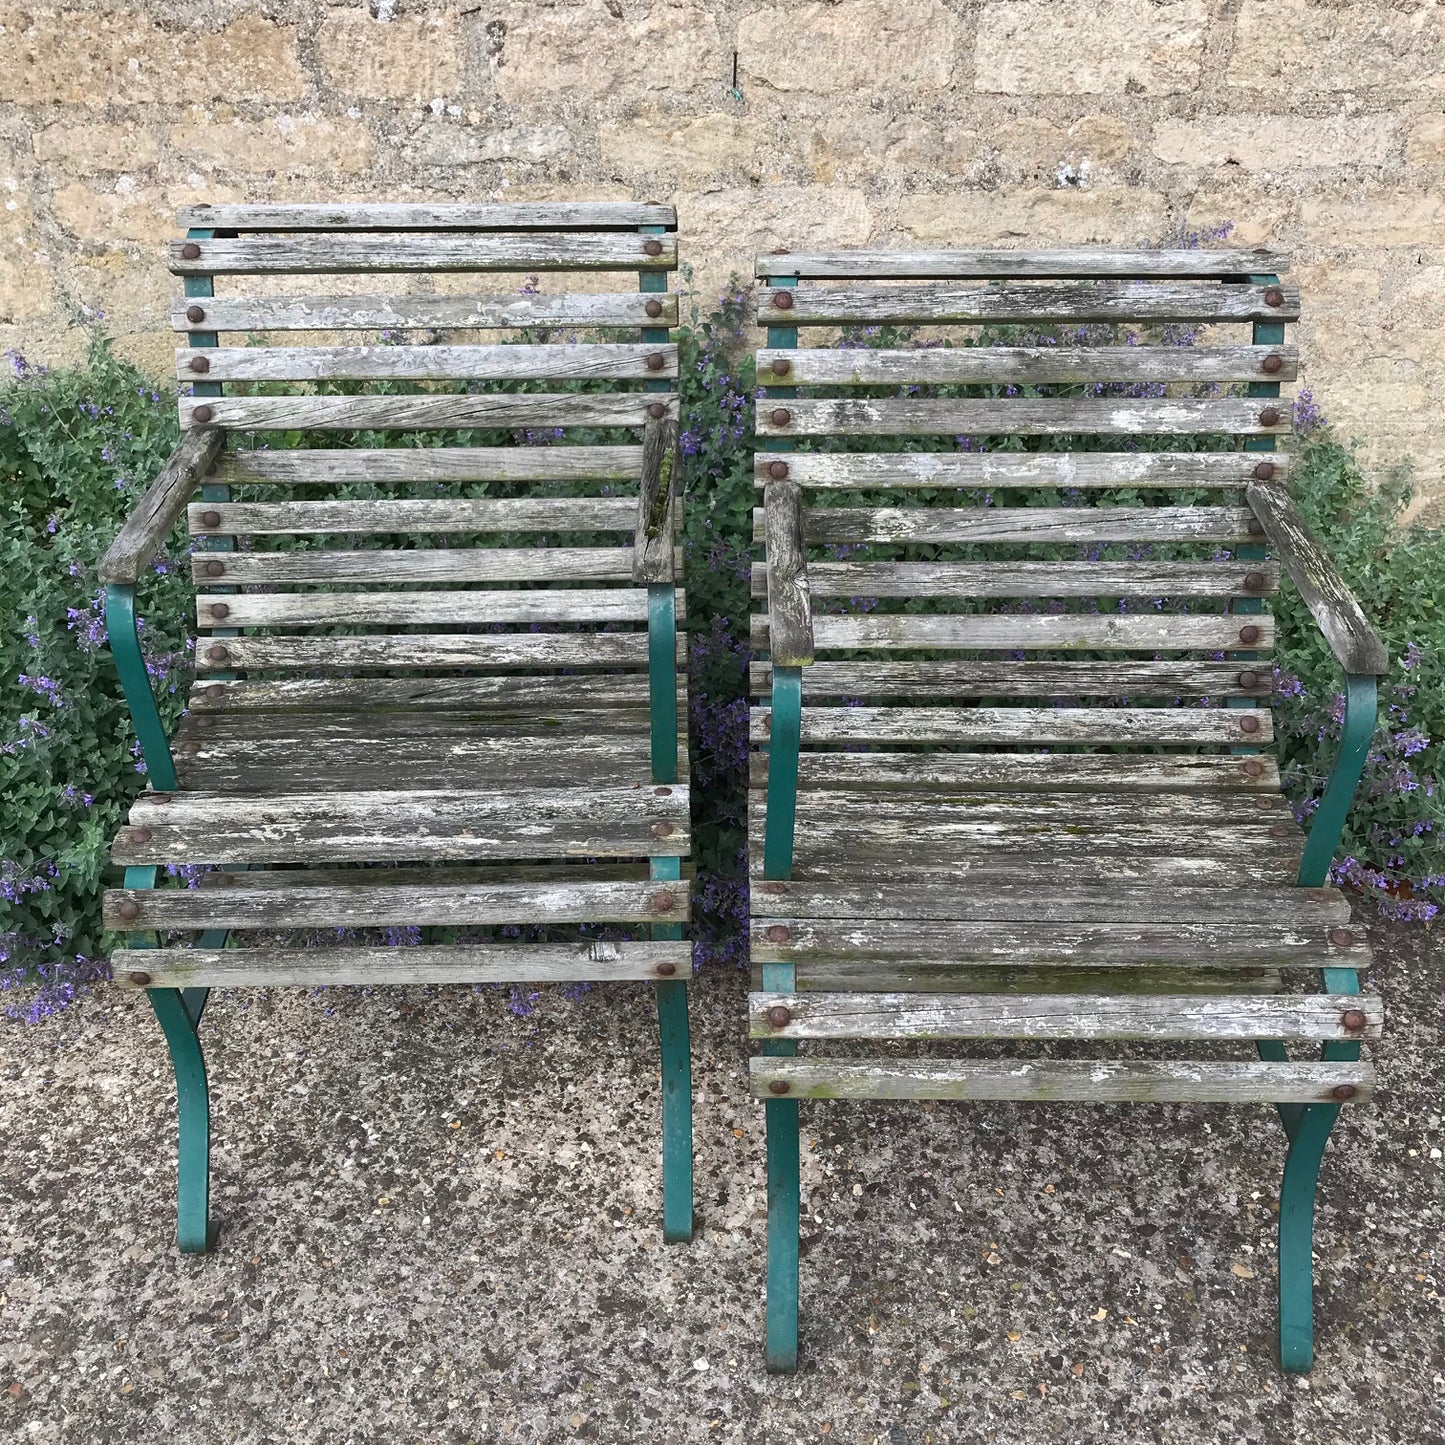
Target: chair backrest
{"x": 1054, "y": 533}
{"x": 390, "y": 551}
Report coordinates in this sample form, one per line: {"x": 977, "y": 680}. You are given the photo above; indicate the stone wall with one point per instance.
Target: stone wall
{"x": 1314, "y": 125}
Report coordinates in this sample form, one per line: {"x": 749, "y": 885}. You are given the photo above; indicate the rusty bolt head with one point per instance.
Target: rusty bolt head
{"x": 653, "y": 308}
{"x": 1274, "y": 297}
{"x": 1269, "y": 416}
{"x": 657, "y": 411}
{"x": 1254, "y": 527}
{"x": 662, "y": 792}
{"x": 210, "y": 519}
{"x": 775, "y": 888}
{"x": 656, "y": 361}
{"x": 204, "y": 721}
{"x": 779, "y": 1086}
{"x": 783, "y": 300}
{"x": 1254, "y": 581}
{"x": 781, "y": 366}
{"x": 140, "y": 980}
{"x": 1272, "y": 364}
{"x": 203, "y": 414}
{"x": 1343, "y": 1092}
{"x": 1253, "y": 767}
{"x": 214, "y": 569}
{"x": 1281, "y": 832}
{"x": 780, "y": 416}
{"x": 1248, "y": 724}
{"x": 663, "y": 903}
{"x": 127, "y": 908}
{"x": 777, "y": 470}
{"x": 652, "y": 247}
{"x": 667, "y": 969}
{"x": 215, "y": 689}
{"x": 1263, "y": 805}
{"x": 1342, "y": 937}
{"x": 663, "y": 830}
{"x": 190, "y": 252}
{"x": 200, "y": 363}
{"x": 140, "y": 835}
{"x": 216, "y": 654}
{"x": 780, "y": 1016}
{"x": 220, "y": 609}
{"x": 1249, "y": 634}
{"x": 195, "y": 314}
{"x": 778, "y": 933}
{"x": 1353, "y": 1019}
{"x": 1264, "y": 471}
{"x": 1248, "y": 680}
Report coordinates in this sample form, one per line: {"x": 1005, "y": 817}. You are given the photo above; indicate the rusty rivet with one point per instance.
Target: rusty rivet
{"x": 195, "y": 314}
{"x": 777, "y": 470}
{"x": 667, "y": 969}
{"x": 215, "y": 690}
{"x": 1271, "y": 363}
{"x": 1264, "y": 471}
{"x": 780, "y": 1016}
{"x": 1248, "y": 680}
{"x": 1248, "y": 724}
{"x": 140, "y": 980}
{"x": 663, "y": 830}
{"x": 220, "y": 609}
{"x": 200, "y": 363}
{"x": 779, "y": 1086}
{"x": 1342, "y": 937}
{"x": 1253, "y": 768}
{"x": 190, "y": 252}
{"x": 780, "y": 416}
{"x": 1264, "y": 805}
{"x": 663, "y": 903}
{"x": 216, "y": 654}
{"x": 1269, "y": 416}
{"x": 1353, "y": 1019}
{"x": 1281, "y": 832}
{"x": 1254, "y": 527}
{"x": 203, "y": 414}
{"x": 1249, "y": 634}
{"x": 778, "y": 933}
{"x": 657, "y": 411}
{"x": 140, "y": 835}
{"x": 652, "y": 247}
{"x": 1254, "y": 581}
{"x": 653, "y": 308}
{"x": 1343, "y": 1092}
{"x": 210, "y": 519}
{"x": 656, "y": 361}
{"x": 662, "y": 792}
{"x": 1274, "y": 297}
{"x": 781, "y": 366}
{"x": 127, "y": 908}
{"x": 214, "y": 569}
{"x": 775, "y": 887}
{"x": 783, "y": 300}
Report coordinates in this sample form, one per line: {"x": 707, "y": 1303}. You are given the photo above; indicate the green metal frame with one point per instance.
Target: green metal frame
{"x": 124, "y": 639}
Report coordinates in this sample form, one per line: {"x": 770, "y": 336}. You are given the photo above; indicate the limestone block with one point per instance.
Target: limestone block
{"x": 410, "y": 58}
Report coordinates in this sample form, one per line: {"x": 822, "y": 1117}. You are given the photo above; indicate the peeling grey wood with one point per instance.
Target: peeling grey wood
{"x": 830, "y": 976}
{"x": 314, "y": 466}
{"x": 1133, "y": 632}
{"x": 790, "y": 607}
{"x": 426, "y": 363}
{"x": 413, "y": 216}
{"x": 1027, "y": 365}
{"x": 1098, "y": 1082}
{"x": 1031, "y": 579}
{"x": 998, "y": 263}
{"x": 983, "y": 470}
{"x": 825, "y": 526}
{"x": 1062, "y": 1016}
{"x": 416, "y": 564}
{"x": 419, "y": 313}
{"x": 1019, "y": 416}
{"x": 483, "y": 875}
{"x": 1063, "y": 303}
{"x": 381, "y": 905}
{"x": 1355, "y": 643}
{"x": 146, "y": 529}
{"x": 484, "y": 514}
{"x": 429, "y": 695}
{"x": 1025, "y": 726}
{"x": 416, "y": 413}
{"x": 657, "y": 518}
{"x": 1115, "y": 677}
{"x": 594, "y": 962}
{"x": 333, "y": 253}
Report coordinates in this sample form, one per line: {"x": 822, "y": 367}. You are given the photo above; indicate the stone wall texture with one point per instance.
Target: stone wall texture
{"x": 1317, "y": 126}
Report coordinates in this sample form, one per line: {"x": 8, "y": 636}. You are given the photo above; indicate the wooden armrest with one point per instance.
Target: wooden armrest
{"x": 790, "y": 605}
{"x": 652, "y": 543}
{"x": 1354, "y": 642}
{"x": 147, "y": 528}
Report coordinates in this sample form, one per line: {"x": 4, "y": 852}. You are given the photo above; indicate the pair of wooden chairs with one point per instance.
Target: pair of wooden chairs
{"x": 1010, "y": 774}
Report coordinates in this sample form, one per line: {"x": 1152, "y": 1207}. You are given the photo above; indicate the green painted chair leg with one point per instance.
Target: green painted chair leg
{"x": 193, "y": 1106}
{"x": 1296, "y": 1237}
{"x": 677, "y": 1209}
{"x": 784, "y": 1189}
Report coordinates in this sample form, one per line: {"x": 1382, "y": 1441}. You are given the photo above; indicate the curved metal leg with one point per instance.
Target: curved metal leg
{"x": 1296, "y": 1236}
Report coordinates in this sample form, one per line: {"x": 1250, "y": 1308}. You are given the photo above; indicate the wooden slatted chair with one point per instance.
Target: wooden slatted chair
{"x": 455, "y": 709}
{"x": 1023, "y": 795}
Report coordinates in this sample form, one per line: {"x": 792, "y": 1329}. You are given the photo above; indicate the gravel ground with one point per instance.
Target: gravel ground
{"x": 441, "y": 1224}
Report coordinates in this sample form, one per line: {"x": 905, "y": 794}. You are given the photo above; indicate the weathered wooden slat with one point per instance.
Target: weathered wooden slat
{"x": 1027, "y": 726}
{"x": 901, "y": 303}
{"x": 409, "y": 826}
{"x": 1115, "y": 677}
{"x": 1134, "y": 632}
{"x": 426, "y": 363}
{"x": 423, "y": 609}
{"x": 419, "y": 564}
{"x": 657, "y": 520}
{"x": 146, "y": 529}
{"x": 418, "y": 413}
{"x": 530, "y": 696}
{"x": 996, "y": 264}
{"x": 594, "y": 962}
{"x": 1063, "y": 1016}
{"x": 790, "y": 608}
{"x": 1355, "y": 643}
{"x": 1018, "y": 416}
{"x": 981, "y": 470}
{"x": 411, "y": 216}
{"x": 270, "y": 729}
{"x": 1028, "y": 365}
{"x": 1032, "y": 579}
{"x": 826, "y": 526}
{"x": 1312, "y": 909}
{"x": 473, "y": 875}
{"x": 419, "y": 313}
{"x": 1055, "y": 1080}
{"x": 383, "y": 904}
{"x": 317, "y": 466}
{"x": 473, "y": 514}
{"x": 333, "y": 252}
{"x": 830, "y": 975}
